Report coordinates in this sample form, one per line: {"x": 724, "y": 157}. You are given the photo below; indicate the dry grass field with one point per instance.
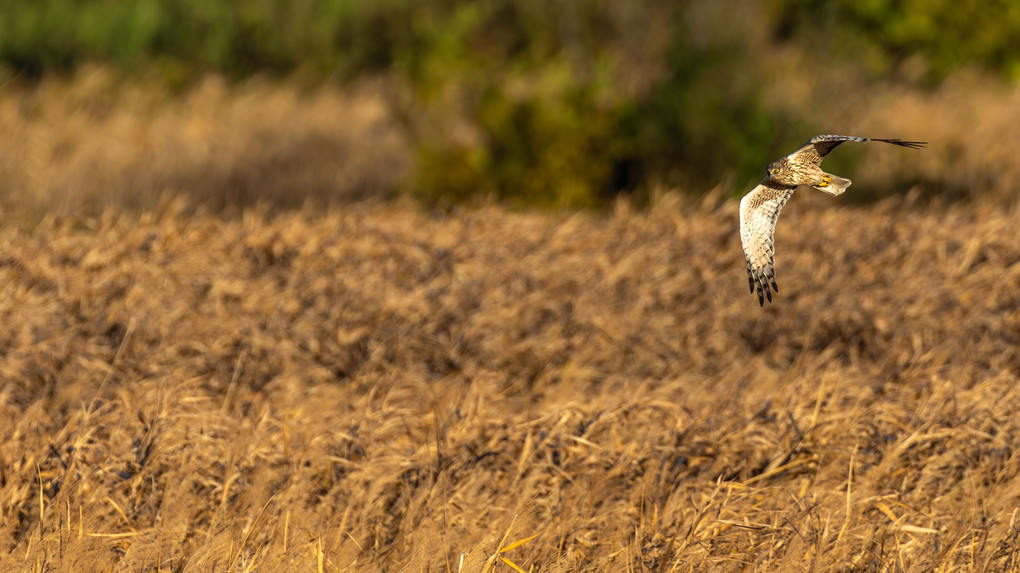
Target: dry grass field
{"x": 379, "y": 388}
{"x": 376, "y": 387}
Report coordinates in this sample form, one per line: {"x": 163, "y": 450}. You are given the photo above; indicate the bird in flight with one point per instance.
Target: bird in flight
{"x": 760, "y": 208}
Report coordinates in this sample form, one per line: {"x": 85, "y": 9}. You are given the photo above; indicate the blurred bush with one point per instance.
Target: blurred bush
{"x": 554, "y": 103}
{"x": 573, "y": 103}
{"x": 936, "y": 36}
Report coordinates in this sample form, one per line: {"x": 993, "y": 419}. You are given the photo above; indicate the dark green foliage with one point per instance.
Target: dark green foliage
{"x": 938, "y": 35}
{"x": 551, "y": 145}
{"x": 233, "y": 37}
{"x": 555, "y": 122}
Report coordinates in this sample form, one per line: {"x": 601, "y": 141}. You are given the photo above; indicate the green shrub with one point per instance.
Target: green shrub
{"x": 557, "y": 128}
{"x": 236, "y": 38}
{"x": 944, "y": 35}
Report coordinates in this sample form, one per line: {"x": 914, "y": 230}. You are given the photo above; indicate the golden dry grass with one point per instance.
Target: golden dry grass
{"x": 381, "y": 389}
{"x": 69, "y": 146}
{"x": 76, "y": 145}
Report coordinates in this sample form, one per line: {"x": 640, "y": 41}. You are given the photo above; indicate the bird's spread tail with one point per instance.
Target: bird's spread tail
{"x": 836, "y": 185}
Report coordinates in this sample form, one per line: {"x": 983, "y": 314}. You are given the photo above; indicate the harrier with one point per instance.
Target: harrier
{"x": 760, "y": 208}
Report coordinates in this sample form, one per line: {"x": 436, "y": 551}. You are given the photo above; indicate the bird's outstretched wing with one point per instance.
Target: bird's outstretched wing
{"x": 820, "y": 145}
{"x": 759, "y": 210}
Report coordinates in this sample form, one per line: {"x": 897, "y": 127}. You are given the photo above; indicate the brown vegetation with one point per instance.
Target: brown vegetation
{"x": 377, "y": 388}
{"x": 381, "y": 389}
{"x": 76, "y": 146}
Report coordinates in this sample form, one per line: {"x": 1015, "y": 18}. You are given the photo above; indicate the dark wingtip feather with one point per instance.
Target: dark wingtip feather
{"x": 907, "y": 144}
{"x": 760, "y": 283}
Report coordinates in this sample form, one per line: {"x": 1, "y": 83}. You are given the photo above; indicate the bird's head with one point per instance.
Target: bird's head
{"x": 776, "y": 168}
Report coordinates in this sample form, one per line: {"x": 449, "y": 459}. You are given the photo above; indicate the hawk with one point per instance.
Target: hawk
{"x": 760, "y": 208}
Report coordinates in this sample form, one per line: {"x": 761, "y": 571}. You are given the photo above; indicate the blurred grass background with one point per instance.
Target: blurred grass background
{"x": 565, "y": 103}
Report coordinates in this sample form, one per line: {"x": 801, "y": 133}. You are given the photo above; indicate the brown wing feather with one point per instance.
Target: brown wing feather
{"x": 759, "y": 210}
{"x": 820, "y": 145}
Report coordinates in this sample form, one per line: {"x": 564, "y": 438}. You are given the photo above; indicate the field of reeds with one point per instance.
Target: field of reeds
{"x": 289, "y": 286}
{"x": 224, "y": 346}
{"x": 383, "y": 388}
